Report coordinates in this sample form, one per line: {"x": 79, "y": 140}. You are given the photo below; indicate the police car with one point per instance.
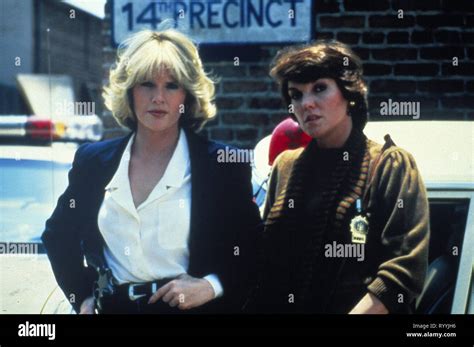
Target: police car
{"x": 35, "y": 156}
{"x": 444, "y": 152}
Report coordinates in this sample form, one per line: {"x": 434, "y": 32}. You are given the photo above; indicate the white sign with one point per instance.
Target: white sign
{"x": 218, "y": 21}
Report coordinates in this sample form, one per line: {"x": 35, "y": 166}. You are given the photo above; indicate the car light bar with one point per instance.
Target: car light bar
{"x": 71, "y": 128}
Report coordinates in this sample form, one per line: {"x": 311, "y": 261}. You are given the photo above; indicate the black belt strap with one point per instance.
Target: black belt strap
{"x": 140, "y": 289}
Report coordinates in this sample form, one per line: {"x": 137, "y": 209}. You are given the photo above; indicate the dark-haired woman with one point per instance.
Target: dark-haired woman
{"x": 346, "y": 219}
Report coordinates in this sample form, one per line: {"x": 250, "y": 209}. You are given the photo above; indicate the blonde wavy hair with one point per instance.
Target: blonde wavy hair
{"x": 141, "y": 56}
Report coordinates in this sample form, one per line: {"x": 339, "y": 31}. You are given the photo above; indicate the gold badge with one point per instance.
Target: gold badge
{"x": 359, "y": 229}
{"x": 359, "y": 225}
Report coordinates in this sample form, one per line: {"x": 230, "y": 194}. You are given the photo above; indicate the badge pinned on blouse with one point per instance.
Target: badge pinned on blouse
{"x": 359, "y": 225}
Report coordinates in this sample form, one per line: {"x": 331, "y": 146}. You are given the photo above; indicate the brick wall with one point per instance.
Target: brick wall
{"x": 408, "y": 59}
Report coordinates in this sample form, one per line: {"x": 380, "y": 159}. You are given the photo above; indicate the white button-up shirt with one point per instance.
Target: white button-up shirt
{"x": 150, "y": 242}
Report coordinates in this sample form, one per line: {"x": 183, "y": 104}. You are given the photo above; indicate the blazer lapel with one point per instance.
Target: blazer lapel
{"x": 109, "y": 160}
{"x": 102, "y": 171}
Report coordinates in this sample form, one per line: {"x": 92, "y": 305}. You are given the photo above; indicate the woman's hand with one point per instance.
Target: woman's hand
{"x": 186, "y": 292}
{"x": 369, "y": 304}
{"x": 87, "y": 306}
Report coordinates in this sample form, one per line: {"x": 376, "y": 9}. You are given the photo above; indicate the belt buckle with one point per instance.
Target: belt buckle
{"x": 131, "y": 292}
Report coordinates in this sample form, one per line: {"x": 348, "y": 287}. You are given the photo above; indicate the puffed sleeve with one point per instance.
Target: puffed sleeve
{"x": 399, "y": 202}
{"x": 62, "y": 241}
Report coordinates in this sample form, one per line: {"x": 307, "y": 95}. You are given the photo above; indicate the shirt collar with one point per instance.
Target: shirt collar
{"x": 179, "y": 166}
{"x": 175, "y": 174}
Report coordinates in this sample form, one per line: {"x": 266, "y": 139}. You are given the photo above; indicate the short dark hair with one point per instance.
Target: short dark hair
{"x": 324, "y": 59}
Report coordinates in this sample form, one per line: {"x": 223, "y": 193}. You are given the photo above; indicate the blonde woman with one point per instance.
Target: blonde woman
{"x": 168, "y": 226}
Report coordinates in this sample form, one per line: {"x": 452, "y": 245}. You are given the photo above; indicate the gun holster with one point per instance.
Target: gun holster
{"x": 104, "y": 286}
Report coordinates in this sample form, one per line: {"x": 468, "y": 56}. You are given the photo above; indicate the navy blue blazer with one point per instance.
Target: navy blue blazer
{"x": 223, "y": 217}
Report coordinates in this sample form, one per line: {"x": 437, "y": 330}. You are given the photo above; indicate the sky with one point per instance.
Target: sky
{"x": 96, "y": 7}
